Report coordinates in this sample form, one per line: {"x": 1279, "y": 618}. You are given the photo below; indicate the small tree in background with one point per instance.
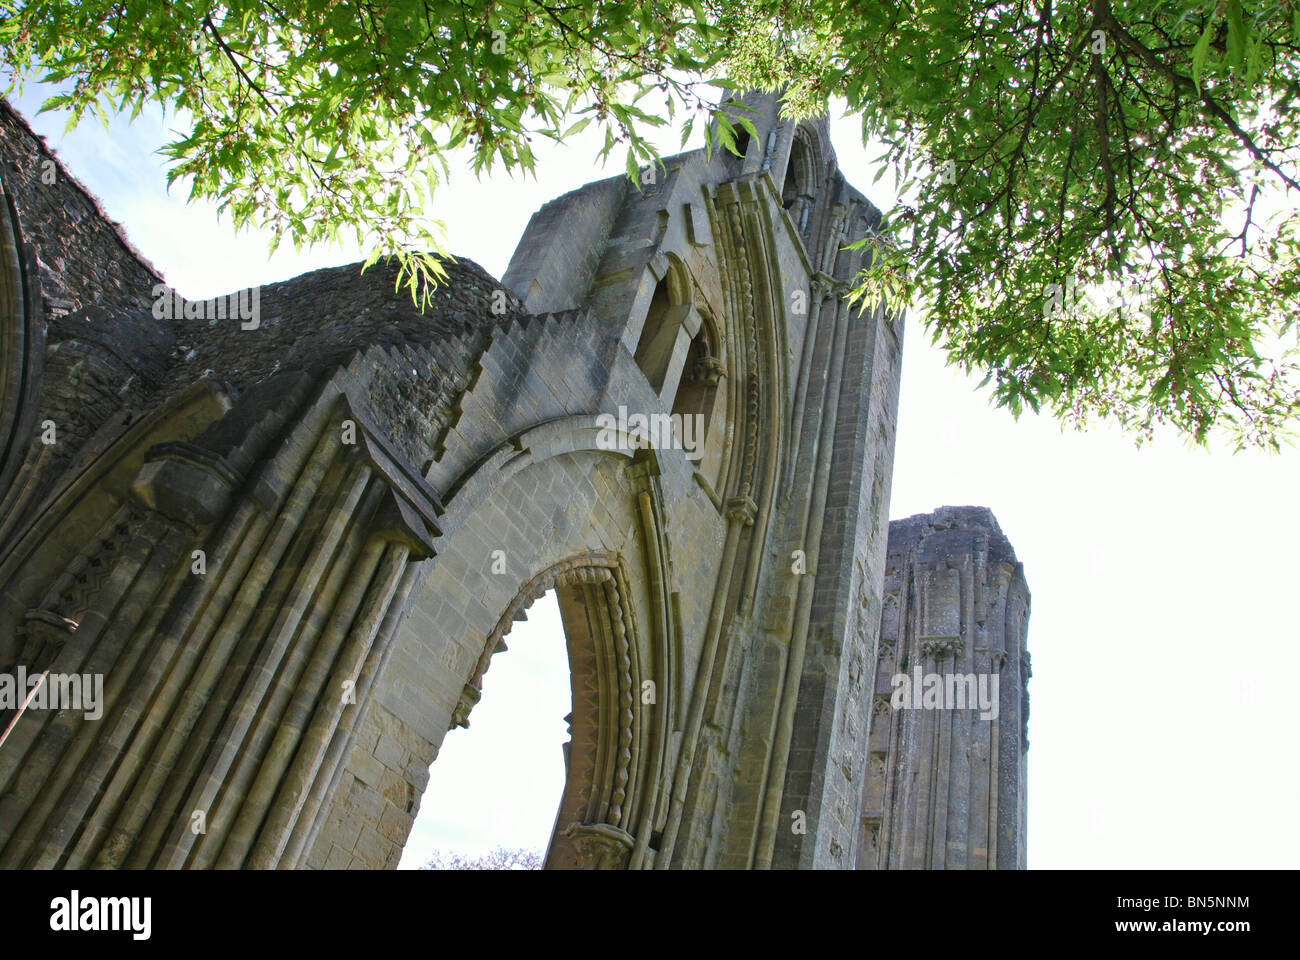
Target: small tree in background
{"x": 498, "y": 859}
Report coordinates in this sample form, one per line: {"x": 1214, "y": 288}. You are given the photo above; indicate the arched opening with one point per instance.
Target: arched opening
{"x": 796, "y": 191}
{"x": 695, "y": 405}
{"x": 742, "y": 142}
{"x": 654, "y": 350}
{"x": 598, "y": 802}
{"x": 791, "y": 189}
{"x": 497, "y": 783}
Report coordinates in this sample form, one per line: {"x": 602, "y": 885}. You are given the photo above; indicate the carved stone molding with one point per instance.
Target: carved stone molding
{"x": 942, "y": 647}
{"x": 186, "y": 483}
{"x": 586, "y": 569}
{"x": 741, "y": 508}
{"x": 601, "y": 846}
{"x": 469, "y": 696}
{"x": 708, "y": 370}
{"x": 598, "y": 573}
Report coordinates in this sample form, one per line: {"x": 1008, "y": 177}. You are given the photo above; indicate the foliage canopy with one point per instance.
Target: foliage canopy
{"x": 1103, "y": 210}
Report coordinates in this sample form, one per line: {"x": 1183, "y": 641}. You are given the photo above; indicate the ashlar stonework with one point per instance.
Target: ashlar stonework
{"x": 292, "y": 548}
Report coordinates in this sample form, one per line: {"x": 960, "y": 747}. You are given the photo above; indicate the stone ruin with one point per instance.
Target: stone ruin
{"x": 291, "y": 546}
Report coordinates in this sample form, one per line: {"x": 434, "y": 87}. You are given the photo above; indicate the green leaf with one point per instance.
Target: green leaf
{"x": 576, "y": 128}
{"x": 1236, "y": 35}
{"x": 1201, "y": 51}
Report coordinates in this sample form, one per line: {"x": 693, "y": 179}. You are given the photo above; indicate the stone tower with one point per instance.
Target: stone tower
{"x": 946, "y": 788}
{"x": 289, "y": 529}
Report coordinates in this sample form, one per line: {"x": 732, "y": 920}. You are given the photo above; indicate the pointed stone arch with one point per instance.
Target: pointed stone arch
{"x": 801, "y": 184}
{"x": 605, "y": 758}
{"x": 671, "y": 322}
{"x": 613, "y": 580}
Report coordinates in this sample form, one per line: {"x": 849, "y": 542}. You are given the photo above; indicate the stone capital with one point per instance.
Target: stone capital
{"x": 942, "y": 647}
{"x": 741, "y": 508}
{"x": 600, "y": 845}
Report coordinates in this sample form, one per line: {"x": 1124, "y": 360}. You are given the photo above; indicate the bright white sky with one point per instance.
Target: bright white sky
{"x": 1163, "y": 725}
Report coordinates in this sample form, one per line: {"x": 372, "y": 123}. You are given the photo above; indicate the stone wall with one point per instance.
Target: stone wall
{"x": 293, "y": 547}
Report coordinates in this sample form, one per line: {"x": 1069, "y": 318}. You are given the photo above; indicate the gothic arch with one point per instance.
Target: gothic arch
{"x": 702, "y": 396}
{"x": 613, "y": 581}
{"x": 801, "y": 183}
{"x": 758, "y": 367}
{"x": 606, "y": 756}
{"x": 671, "y": 309}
